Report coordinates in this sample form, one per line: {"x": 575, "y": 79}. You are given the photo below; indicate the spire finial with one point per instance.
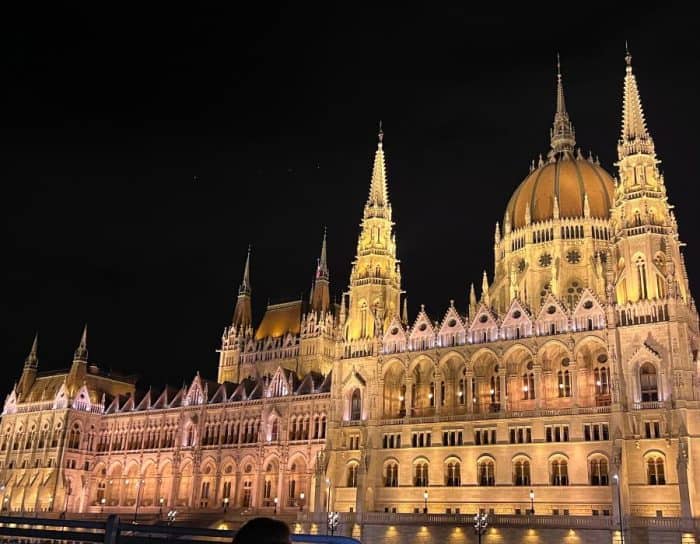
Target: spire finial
{"x": 404, "y": 313}
{"x": 628, "y": 55}
{"x": 81, "y": 353}
{"x": 563, "y": 138}
{"x": 380, "y": 135}
{"x": 558, "y": 66}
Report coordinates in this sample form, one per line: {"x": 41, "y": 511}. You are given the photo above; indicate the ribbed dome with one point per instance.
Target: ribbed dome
{"x": 568, "y": 178}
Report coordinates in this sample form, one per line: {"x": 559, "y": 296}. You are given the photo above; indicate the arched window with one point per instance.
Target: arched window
{"x": 352, "y": 475}
{"x": 602, "y": 380}
{"x": 486, "y": 471}
{"x": 637, "y": 218}
{"x": 420, "y": 478}
{"x": 267, "y": 491}
{"x": 599, "y": 471}
{"x": 656, "y": 474}
{"x": 641, "y": 276}
{"x": 431, "y": 394}
{"x": 322, "y": 433}
{"x": 521, "y": 472}
{"x": 356, "y": 405}
{"x": 391, "y": 475}
{"x": 528, "y": 386}
{"x": 495, "y": 390}
{"x": 274, "y": 432}
{"x": 564, "y": 382}
{"x": 461, "y": 392}
{"x": 648, "y": 383}
{"x": 453, "y": 477}
{"x": 560, "y": 472}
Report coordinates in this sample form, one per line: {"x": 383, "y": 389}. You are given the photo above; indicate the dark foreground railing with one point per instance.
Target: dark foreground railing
{"x": 114, "y": 531}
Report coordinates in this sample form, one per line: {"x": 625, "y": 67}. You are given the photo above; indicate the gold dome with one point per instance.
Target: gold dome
{"x": 568, "y": 178}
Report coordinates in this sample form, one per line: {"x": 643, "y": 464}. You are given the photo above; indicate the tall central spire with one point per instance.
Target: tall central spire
{"x": 635, "y": 136}
{"x": 378, "y": 195}
{"x": 375, "y": 280}
{"x": 562, "y": 134}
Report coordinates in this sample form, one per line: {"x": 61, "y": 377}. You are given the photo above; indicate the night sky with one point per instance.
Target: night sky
{"x": 143, "y": 152}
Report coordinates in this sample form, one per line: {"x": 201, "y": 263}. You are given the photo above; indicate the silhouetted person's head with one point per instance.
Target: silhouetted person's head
{"x": 263, "y": 531}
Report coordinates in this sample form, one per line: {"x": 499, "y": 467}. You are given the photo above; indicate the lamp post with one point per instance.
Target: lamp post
{"x": 481, "y": 522}
{"x": 139, "y": 487}
{"x": 102, "y": 504}
{"x": 532, "y": 502}
{"x": 160, "y": 509}
{"x": 276, "y": 501}
{"x": 619, "y": 508}
{"x": 301, "y": 501}
{"x": 425, "y": 501}
{"x": 226, "y": 499}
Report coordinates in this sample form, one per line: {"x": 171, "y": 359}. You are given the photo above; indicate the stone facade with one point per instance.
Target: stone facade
{"x": 570, "y": 386}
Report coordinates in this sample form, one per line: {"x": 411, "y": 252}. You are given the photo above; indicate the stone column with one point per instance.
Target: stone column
{"x": 409, "y": 396}
{"x": 469, "y": 398}
{"x": 683, "y": 484}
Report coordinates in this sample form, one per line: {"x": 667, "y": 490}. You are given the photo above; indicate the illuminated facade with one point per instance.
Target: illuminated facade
{"x": 571, "y": 379}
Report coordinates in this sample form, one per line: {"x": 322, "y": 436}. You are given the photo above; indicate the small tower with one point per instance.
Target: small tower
{"x": 320, "y": 295}
{"x": 243, "y": 313}
{"x": 31, "y": 366}
{"x": 563, "y": 137}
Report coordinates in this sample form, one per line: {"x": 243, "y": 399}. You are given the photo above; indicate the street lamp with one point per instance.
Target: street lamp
{"x": 160, "y": 509}
{"x": 481, "y": 522}
{"x": 619, "y": 508}
{"x": 301, "y": 501}
{"x": 532, "y": 502}
{"x": 102, "y": 504}
{"x": 226, "y": 499}
{"x": 276, "y": 501}
{"x": 425, "y": 501}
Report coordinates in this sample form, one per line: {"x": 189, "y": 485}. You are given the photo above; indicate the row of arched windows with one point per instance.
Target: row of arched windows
{"x": 599, "y": 472}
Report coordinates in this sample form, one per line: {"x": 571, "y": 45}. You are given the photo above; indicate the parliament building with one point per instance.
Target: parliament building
{"x": 565, "y": 399}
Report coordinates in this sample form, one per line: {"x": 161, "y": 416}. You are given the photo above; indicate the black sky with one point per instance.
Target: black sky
{"x": 108, "y": 118}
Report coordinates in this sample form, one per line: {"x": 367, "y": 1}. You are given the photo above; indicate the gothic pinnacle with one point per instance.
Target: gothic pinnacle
{"x": 562, "y": 134}
{"x": 378, "y": 194}
{"x": 81, "y": 353}
{"x": 245, "y": 289}
{"x": 404, "y": 313}
{"x": 635, "y": 137}
{"x": 32, "y": 359}
{"x": 322, "y": 271}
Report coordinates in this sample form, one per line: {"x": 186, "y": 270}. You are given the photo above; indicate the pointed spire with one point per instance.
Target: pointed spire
{"x": 497, "y": 234}
{"x": 555, "y": 207}
{"x": 243, "y": 313}
{"x": 378, "y": 194}
{"x": 485, "y": 290}
{"x": 635, "y": 136}
{"x": 322, "y": 269}
{"x": 320, "y": 294}
{"x": 81, "y": 353}
{"x": 562, "y": 134}
{"x": 32, "y": 360}
{"x": 404, "y": 313}
{"x": 586, "y": 206}
{"x": 528, "y": 217}
{"x": 245, "y": 289}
